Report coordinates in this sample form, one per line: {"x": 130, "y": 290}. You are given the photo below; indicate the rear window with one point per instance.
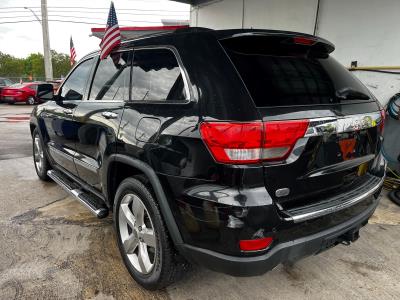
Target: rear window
{"x": 279, "y": 73}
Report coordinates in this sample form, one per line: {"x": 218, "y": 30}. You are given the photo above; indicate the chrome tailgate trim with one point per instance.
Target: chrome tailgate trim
{"x": 334, "y": 204}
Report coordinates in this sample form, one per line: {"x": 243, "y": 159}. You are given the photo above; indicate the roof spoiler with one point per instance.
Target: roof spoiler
{"x": 285, "y": 37}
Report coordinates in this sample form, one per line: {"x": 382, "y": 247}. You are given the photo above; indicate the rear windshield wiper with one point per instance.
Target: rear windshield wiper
{"x": 351, "y": 94}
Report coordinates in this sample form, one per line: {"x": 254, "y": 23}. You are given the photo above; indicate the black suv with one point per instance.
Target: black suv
{"x": 234, "y": 149}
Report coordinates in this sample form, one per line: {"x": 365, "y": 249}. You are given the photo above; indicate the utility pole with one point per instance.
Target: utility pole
{"x": 48, "y": 67}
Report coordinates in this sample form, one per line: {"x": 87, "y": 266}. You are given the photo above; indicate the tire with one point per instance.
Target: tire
{"x": 30, "y": 101}
{"x": 39, "y": 156}
{"x": 159, "y": 268}
{"x": 395, "y": 196}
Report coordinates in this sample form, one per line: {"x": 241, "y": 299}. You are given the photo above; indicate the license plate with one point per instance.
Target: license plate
{"x": 8, "y": 98}
{"x": 347, "y": 148}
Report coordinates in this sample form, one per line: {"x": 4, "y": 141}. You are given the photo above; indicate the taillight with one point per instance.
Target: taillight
{"x": 382, "y": 123}
{"x": 233, "y": 142}
{"x": 280, "y": 138}
{"x": 254, "y": 245}
{"x": 252, "y": 142}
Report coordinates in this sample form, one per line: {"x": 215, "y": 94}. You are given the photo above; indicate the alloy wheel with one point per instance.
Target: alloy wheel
{"x": 31, "y": 100}
{"x": 137, "y": 233}
{"x": 38, "y": 153}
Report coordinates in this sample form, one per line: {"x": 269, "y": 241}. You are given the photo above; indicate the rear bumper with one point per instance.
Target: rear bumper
{"x": 283, "y": 252}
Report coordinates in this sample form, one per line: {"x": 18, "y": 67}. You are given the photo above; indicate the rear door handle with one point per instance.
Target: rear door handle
{"x": 67, "y": 111}
{"x": 109, "y": 115}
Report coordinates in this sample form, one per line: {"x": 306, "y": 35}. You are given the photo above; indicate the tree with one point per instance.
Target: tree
{"x": 33, "y": 66}
{"x": 11, "y": 66}
{"x": 61, "y": 64}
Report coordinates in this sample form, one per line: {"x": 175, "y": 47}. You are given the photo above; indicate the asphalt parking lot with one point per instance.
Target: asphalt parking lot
{"x": 51, "y": 247}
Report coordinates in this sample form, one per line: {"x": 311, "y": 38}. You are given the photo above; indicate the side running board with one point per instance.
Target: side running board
{"x": 92, "y": 202}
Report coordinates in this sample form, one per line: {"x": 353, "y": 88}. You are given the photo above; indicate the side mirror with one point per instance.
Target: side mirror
{"x": 45, "y": 92}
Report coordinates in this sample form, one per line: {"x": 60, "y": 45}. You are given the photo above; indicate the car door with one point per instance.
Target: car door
{"x": 159, "y": 108}
{"x": 57, "y": 116}
{"x": 99, "y": 117}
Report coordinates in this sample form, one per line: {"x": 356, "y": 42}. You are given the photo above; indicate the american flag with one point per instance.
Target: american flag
{"x": 112, "y": 35}
{"x": 72, "y": 53}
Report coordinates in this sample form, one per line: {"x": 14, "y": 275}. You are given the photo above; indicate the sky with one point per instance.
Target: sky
{"x": 22, "y": 38}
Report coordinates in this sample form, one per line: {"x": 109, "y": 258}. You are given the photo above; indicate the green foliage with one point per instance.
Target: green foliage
{"x": 11, "y": 66}
{"x": 61, "y": 64}
{"x": 33, "y": 65}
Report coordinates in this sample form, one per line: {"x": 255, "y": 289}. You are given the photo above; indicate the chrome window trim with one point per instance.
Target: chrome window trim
{"x": 181, "y": 68}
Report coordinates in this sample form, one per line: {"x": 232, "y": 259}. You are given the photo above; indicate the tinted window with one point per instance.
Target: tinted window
{"x": 278, "y": 73}
{"x": 2, "y": 82}
{"x": 156, "y": 76}
{"x": 112, "y": 78}
{"x": 75, "y": 84}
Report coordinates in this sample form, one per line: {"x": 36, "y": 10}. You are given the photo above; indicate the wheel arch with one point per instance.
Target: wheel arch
{"x": 32, "y": 127}
{"x": 141, "y": 168}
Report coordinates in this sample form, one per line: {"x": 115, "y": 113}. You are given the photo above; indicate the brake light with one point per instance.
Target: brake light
{"x": 252, "y": 142}
{"x": 300, "y": 40}
{"x": 254, "y": 245}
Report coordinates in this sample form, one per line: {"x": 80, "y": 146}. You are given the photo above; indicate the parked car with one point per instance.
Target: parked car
{"x": 4, "y": 82}
{"x": 234, "y": 149}
{"x": 21, "y": 93}
{"x": 56, "y": 84}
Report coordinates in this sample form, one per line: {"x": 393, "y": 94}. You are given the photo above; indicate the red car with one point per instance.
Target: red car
{"x": 20, "y": 92}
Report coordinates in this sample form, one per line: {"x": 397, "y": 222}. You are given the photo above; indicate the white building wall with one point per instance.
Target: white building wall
{"x": 289, "y": 15}
{"x": 366, "y": 31}
{"x": 219, "y": 15}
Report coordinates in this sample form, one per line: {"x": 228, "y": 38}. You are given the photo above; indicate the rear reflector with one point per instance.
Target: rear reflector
{"x": 252, "y": 142}
{"x": 254, "y": 245}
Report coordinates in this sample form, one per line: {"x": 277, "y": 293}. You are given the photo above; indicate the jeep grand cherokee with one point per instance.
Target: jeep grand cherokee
{"x": 234, "y": 149}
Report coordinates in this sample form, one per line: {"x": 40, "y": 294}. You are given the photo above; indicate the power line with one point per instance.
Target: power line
{"x": 96, "y": 8}
{"x": 97, "y": 12}
{"x": 77, "y": 22}
{"x": 61, "y": 16}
